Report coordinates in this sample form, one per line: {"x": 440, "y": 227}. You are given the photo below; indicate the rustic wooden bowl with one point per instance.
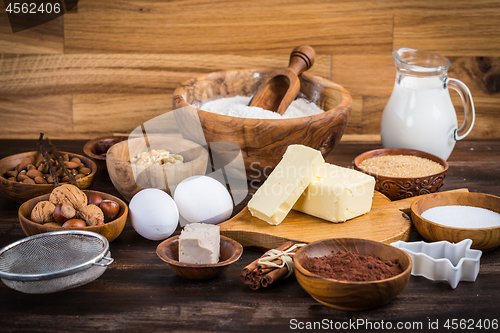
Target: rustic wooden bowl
{"x": 110, "y": 230}
{"x": 396, "y": 188}
{"x": 484, "y": 239}
{"x": 262, "y": 141}
{"x": 21, "y": 192}
{"x": 130, "y": 178}
{"x": 94, "y": 148}
{"x": 346, "y": 295}
{"x": 230, "y": 251}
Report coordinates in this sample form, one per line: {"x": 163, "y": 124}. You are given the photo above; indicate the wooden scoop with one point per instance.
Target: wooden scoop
{"x": 282, "y": 86}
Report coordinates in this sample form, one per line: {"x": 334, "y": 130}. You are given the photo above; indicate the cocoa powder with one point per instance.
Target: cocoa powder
{"x": 350, "y": 266}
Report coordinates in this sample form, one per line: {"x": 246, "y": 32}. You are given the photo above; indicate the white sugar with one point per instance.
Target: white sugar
{"x": 462, "y": 216}
{"x": 237, "y": 107}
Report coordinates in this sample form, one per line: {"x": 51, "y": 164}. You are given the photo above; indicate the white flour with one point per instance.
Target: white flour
{"x": 237, "y": 107}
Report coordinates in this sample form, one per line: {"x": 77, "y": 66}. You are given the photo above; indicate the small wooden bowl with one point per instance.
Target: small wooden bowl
{"x": 110, "y": 230}
{"x": 347, "y": 295}
{"x": 230, "y": 251}
{"x": 396, "y": 188}
{"x": 130, "y": 178}
{"x": 262, "y": 141}
{"x": 95, "y": 149}
{"x": 484, "y": 239}
{"x": 21, "y": 192}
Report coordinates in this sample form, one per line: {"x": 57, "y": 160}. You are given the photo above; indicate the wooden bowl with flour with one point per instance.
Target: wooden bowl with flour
{"x": 262, "y": 142}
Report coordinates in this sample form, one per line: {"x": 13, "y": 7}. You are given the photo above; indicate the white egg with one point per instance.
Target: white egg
{"x": 202, "y": 199}
{"x": 153, "y": 214}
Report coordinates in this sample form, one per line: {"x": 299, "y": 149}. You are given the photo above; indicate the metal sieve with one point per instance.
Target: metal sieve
{"x": 54, "y": 261}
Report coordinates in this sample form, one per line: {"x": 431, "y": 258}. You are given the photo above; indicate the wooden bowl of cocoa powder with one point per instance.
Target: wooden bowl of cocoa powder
{"x": 21, "y": 192}
{"x": 352, "y": 274}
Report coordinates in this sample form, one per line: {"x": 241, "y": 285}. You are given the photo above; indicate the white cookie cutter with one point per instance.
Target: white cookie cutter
{"x": 443, "y": 260}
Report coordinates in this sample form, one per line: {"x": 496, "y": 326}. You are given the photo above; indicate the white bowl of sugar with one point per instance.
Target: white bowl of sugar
{"x": 454, "y": 217}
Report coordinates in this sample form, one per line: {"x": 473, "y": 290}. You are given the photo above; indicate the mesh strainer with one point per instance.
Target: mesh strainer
{"x": 54, "y": 261}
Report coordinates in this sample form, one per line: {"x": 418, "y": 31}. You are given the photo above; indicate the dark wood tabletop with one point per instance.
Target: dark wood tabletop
{"x": 140, "y": 293}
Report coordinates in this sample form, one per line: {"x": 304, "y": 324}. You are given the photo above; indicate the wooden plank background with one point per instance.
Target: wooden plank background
{"x": 108, "y": 66}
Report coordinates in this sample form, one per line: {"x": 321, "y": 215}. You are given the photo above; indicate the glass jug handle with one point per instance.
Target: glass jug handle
{"x": 470, "y": 114}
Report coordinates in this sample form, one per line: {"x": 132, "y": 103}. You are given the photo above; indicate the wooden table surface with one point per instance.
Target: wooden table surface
{"x": 140, "y": 293}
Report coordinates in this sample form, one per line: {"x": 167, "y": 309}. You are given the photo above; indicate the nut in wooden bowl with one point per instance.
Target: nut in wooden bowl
{"x": 352, "y": 295}
{"x": 97, "y": 148}
{"x": 401, "y": 187}
{"x": 110, "y": 230}
{"x": 21, "y": 192}
{"x": 130, "y": 178}
{"x": 230, "y": 251}
{"x": 483, "y": 238}
{"x": 262, "y": 142}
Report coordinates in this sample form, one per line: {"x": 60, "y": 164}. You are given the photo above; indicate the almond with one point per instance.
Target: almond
{"x": 40, "y": 180}
{"x": 29, "y": 181}
{"x": 71, "y": 165}
{"x": 34, "y": 173}
{"x": 85, "y": 171}
{"x": 24, "y": 163}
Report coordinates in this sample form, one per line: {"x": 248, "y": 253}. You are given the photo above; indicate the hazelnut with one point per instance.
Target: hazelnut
{"x": 43, "y": 212}
{"x": 74, "y": 223}
{"x": 95, "y": 199}
{"x": 92, "y": 215}
{"x": 64, "y": 212}
{"x": 110, "y": 210}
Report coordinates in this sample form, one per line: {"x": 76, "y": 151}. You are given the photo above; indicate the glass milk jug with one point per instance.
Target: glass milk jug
{"x": 420, "y": 114}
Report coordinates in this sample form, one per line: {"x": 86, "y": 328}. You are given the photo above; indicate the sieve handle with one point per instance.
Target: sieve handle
{"x": 110, "y": 261}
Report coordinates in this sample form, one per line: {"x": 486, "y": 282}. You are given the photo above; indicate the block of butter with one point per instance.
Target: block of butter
{"x": 199, "y": 243}
{"x": 276, "y": 197}
{"x": 337, "y": 194}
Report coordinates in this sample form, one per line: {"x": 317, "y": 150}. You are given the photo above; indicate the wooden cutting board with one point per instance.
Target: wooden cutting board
{"x": 386, "y": 222}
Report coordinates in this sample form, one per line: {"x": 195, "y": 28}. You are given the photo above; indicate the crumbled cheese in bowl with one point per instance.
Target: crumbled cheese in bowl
{"x": 157, "y": 157}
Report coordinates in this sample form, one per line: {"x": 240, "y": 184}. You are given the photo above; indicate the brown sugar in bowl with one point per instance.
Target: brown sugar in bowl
{"x": 396, "y": 188}
{"x": 352, "y": 295}
{"x": 110, "y": 230}
{"x": 261, "y": 141}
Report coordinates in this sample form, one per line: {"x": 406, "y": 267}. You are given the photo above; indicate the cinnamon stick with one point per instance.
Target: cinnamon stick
{"x": 274, "y": 276}
{"x": 255, "y": 264}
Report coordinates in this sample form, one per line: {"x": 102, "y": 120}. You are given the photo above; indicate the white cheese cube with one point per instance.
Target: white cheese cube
{"x": 276, "y": 197}
{"x": 199, "y": 243}
{"x": 337, "y": 194}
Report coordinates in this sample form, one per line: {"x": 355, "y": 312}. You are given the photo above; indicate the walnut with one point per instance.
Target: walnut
{"x": 68, "y": 193}
{"x": 43, "y": 212}
{"x": 92, "y": 215}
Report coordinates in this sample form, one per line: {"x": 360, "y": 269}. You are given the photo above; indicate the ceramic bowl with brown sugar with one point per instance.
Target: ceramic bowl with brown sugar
{"x": 230, "y": 251}
{"x": 262, "y": 142}
{"x": 21, "y": 192}
{"x": 96, "y": 149}
{"x": 110, "y": 230}
{"x": 130, "y": 178}
{"x": 352, "y": 295}
{"x": 401, "y": 187}
{"x": 483, "y": 238}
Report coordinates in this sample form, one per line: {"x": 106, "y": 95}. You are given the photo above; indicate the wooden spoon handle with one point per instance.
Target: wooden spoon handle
{"x": 301, "y": 59}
